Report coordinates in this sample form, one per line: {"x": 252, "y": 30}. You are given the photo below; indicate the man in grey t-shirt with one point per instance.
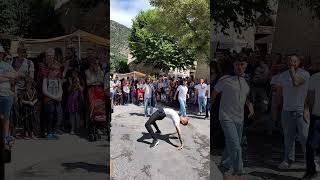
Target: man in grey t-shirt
{"x": 293, "y": 85}
{"x": 234, "y": 95}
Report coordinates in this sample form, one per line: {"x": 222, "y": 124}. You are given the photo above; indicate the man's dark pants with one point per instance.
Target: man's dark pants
{"x": 158, "y": 115}
{"x": 313, "y": 143}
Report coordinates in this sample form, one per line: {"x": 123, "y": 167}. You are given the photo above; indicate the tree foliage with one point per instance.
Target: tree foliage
{"x": 32, "y": 19}
{"x": 158, "y": 49}
{"x": 237, "y": 14}
{"x": 186, "y": 20}
{"x": 120, "y": 66}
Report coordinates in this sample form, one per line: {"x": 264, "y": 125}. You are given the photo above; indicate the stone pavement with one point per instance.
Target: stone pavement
{"x": 263, "y": 155}
{"x": 132, "y": 158}
{"x": 68, "y": 158}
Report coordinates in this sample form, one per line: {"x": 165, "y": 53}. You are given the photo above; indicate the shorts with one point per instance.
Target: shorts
{"x": 5, "y": 105}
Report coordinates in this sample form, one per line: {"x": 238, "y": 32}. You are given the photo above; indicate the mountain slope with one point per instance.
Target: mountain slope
{"x": 119, "y": 39}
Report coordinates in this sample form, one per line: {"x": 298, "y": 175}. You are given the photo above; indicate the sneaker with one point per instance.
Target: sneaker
{"x": 199, "y": 114}
{"x": 155, "y": 143}
{"x": 50, "y": 136}
{"x": 309, "y": 175}
{"x": 284, "y": 165}
{"x": 72, "y": 133}
{"x": 158, "y": 132}
{"x": 9, "y": 140}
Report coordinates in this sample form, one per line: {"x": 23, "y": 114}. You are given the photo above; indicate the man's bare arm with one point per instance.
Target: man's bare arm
{"x": 296, "y": 81}
{"x": 179, "y": 135}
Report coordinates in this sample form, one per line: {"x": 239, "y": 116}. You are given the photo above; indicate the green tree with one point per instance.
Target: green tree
{"x": 121, "y": 67}
{"x": 29, "y": 18}
{"x": 237, "y": 13}
{"x": 7, "y": 17}
{"x": 188, "y": 21}
{"x": 157, "y": 49}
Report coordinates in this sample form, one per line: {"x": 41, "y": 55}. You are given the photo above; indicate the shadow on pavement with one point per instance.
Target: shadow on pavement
{"x": 136, "y": 114}
{"x": 197, "y": 117}
{"x": 87, "y": 166}
{"x": 165, "y": 137}
{"x": 265, "y": 175}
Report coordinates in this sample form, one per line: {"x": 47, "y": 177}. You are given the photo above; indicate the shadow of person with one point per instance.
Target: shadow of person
{"x": 86, "y": 166}
{"x": 136, "y": 114}
{"x": 164, "y": 137}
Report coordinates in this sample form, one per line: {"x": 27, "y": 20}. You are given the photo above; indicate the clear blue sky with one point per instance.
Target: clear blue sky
{"x": 123, "y": 11}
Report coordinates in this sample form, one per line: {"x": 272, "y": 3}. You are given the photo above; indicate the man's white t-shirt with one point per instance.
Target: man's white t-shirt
{"x": 183, "y": 90}
{"x": 293, "y": 96}
{"x": 202, "y": 88}
{"x": 147, "y": 91}
{"x": 173, "y": 115}
{"x": 314, "y": 85}
{"x": 234, "y": 91}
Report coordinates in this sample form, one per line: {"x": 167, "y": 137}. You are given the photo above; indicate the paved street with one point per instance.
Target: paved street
{"x": 263, "y": 155}
{"x": 68, "y": 158}
{"x": 132, "y": 158}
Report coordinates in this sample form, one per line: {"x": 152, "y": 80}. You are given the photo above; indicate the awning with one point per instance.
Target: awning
{"x": 85, "y": 36}
{"x": 266, "y": 40}
{"x": 80, "y": 38}
{"x": 7, "y": 36}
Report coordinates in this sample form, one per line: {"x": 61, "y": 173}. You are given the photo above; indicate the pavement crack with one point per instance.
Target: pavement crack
{"x": 146, "y": 169}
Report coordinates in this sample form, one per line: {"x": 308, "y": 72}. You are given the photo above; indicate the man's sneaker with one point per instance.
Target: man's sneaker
{"x": 9, "y": 140}
{"x": 284, "y": 165}
{"x": 309, "y": 175}
{"x": 155, "y": 143}
{"x": 199, "y": 114}
{"x": 50, "y": 136}
{"x": 158, "y": 132}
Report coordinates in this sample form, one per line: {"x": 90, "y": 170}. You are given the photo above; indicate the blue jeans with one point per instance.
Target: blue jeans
{"x": 291, "y": 122}
{"x": 183, "y": 110}
{"x": 5, "y": 106}
{"x": 202, "y": 103}
{"x": 147, "y": 103}
{"x": 232, "y": 154}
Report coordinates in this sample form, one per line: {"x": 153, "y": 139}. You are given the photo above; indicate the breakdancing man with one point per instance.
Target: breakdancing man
{"x": 160, "y": 114}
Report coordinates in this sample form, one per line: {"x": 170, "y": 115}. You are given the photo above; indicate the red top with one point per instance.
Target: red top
{"x": 43, "y": 71}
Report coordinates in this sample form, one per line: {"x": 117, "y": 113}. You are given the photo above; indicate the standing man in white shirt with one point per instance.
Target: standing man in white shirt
{"x": 148, "y": 90}
{"x": 313, "y": 142}
{"x": 201, "y": 90}
{"x": 234, "y": 96}
{"x": 183, "y": 95}
{"x": 293, "y": 85}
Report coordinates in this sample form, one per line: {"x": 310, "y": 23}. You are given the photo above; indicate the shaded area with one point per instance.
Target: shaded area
{"x": 165, "y": 137}
{"x": 265, "y": 175}
{"x": 136, "y": 114}
{"x": 87, "y": 166}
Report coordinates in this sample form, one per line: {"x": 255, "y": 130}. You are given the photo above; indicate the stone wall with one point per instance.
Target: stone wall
{"x": 297, "y": 32}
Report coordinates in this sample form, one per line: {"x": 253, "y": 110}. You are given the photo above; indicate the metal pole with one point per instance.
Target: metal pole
{"x": 79, "y": 51}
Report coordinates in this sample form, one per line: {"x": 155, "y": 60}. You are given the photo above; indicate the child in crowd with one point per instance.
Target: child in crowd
{"x": 29, "y": 99}
{"x": 75, "y": 101}
{"x": 140, "y": 92}
{"x": 52, "y": 90}
{"x": 133, "y": 94}
{"x": 126, "y": 92}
